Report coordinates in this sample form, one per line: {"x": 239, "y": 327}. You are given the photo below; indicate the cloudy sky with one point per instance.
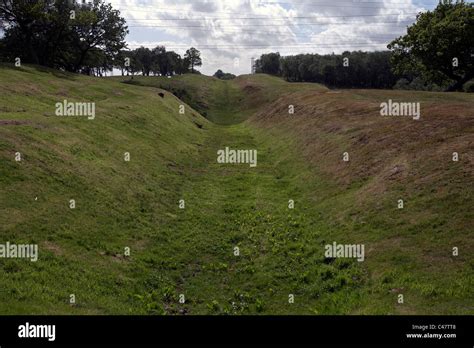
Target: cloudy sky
{"x": 230, "y": 32}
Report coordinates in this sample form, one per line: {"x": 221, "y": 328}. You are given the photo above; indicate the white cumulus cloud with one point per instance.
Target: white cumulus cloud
{"x": 230, "y": 32}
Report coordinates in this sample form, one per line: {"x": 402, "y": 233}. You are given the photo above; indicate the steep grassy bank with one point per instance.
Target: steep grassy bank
{"x": 409, "y": 250}
{"x": 118, "y": 203}
{"x": 225, "y": 102}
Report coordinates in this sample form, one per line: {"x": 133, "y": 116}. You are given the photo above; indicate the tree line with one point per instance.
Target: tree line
{"x": 81, "y": 38}
{"x": 436, "y": 54}
{"x": 349, "y": 69}
{"x": 61, "y": 34}
{"x": 158, "y": 61}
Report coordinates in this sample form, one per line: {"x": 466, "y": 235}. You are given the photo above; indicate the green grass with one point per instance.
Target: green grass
{"x": 190, "y": 251}
{"x": 225, "y": 102}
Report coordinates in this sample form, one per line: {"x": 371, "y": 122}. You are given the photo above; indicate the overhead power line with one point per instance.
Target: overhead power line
{"x": 269, "y": 18}
{"x": 272, "y": 25}
{"x": 263, "y": 45}
{"x": 159, "y": 8}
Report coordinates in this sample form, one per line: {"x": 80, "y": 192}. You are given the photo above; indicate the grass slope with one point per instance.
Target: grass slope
{"x": 225, "y": 102}
{"x": 191, "y": 251}
{"x": 118, "y": 204}
{"x": 409, "y": 251}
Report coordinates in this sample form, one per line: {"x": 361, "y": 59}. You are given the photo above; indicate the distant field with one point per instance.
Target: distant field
{"x": 190, "y": 251}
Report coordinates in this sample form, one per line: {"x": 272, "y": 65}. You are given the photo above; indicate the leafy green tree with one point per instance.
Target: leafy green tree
{"x": 135, "y": 64}
{"x": 439, "y": 45}
{"x": 97, "y": 63}
{"x": 268, "y": 64}
{"x": 39, "y": 26}
{"x": 223, "y": 76}
{"x": 219, "y": 74}
{"x": 62, "y": 34}
{"x": 97, "y": 26}
{"x": 182, "y": 65}
{"x": 174, "y": 60}
{"x": 193, "y": 56}
{"x": 145, "y": 58}
{"x": 168, "y": 62}
{"x": 363, "y": 69}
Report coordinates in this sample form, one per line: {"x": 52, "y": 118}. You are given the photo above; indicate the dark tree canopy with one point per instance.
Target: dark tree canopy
{"x": 87, "y": 38}
{"x": 268, "y": 64}
{"x": 62, "y": 34}
{"x": 223, "y": 76}
{"x": 157, "y": 61}
{"x": 439, "y": 46}
{"x": 194, "y": 58}
{"x": 347, "y": 70}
